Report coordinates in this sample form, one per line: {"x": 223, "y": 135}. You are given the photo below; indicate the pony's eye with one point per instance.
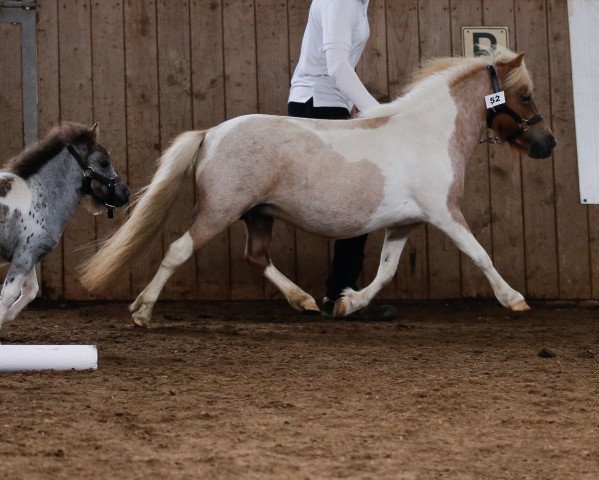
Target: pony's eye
{"x": 104, "y": 163}
{"x": 526, "y": 98}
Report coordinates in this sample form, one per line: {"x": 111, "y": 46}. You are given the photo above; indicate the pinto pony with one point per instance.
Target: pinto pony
{"x": 396, "y": 166}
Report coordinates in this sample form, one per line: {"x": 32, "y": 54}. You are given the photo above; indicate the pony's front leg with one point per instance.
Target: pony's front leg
{"x": 178, "y": 252}
{"x": 13, "y": 283}
{"x": 395, "y": 240}
{"x": 28, "y": 292}
{"x": 456, "y": 228}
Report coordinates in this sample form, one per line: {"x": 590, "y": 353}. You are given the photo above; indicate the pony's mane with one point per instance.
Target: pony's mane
{"x": 453, "y": 69}
{"x": 33, "y": 158}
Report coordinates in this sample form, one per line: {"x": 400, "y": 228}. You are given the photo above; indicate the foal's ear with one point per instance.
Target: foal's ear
{"x": 95, "y": 130}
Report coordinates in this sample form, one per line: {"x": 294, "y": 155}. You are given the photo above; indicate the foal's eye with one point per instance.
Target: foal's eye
{"x": 526, "y": 98}
{"x": 104, "y": 163}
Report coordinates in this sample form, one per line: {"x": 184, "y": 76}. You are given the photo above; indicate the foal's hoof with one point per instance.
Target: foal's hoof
{"x": 520, "y": 306}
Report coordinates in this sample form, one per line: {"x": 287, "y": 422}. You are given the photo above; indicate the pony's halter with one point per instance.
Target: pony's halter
{"x": 90, "y": 174}
{"x": 523, "y": 124}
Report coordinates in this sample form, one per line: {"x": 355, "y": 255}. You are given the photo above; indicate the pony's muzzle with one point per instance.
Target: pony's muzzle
{"x": 121, "y": 195}
{"x": 542, "y": 147}
{"x": 116, "y": 196}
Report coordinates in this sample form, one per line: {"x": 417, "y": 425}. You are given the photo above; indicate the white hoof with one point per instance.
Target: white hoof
{"x": 520, "y": 306}
{"x": 143, "y": 316}
{"x": 347, "y": 304}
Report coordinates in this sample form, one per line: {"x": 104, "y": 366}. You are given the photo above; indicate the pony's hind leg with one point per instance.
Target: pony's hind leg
{"x": 395, "y": 240}
{"x": 206, "y": 227}
{"x": 178, "y": 252}
{"x": 259, "y": 234}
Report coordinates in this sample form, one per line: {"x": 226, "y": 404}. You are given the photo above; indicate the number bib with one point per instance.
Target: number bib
{"x": 495, "y": 99}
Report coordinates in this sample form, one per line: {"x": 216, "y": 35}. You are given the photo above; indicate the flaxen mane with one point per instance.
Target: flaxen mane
{"x": 453, "y": 69}
{"x": 33, "y": 158}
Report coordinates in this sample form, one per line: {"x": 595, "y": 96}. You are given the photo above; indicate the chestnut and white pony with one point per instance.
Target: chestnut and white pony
{"x": 396, "y": 166}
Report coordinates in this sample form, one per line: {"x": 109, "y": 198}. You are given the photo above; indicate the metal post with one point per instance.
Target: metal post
{"x": 23, "y": 12}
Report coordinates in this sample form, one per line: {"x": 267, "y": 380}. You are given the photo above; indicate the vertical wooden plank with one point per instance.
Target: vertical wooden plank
{"x": 212, "y": 261}
{"x": 505, "y": 178}
{"x": 312, "y": 252}
{"x": 76, "y": 104}
{"x": 11, "y": 92}
{"x": 538, "y": 191}
{"x": 143, "y": 133}
{"x": 403, "y": 54}
{"x": 108, "y": 69}
{"x": 593, "y": 215}
{"x": 272, "y": 44}
{"x": 48, "y": 116}
{"x": 443, "y": 256}
{"x": 241, "y": 98}
{"x": 11, "y": 97}
{"x": 477, "y": 202}
{"x": 297, "y": 14}
{"x": 574, "y": 261}
{"x": 372, "y": 70}
{"x": 174, "y": 86}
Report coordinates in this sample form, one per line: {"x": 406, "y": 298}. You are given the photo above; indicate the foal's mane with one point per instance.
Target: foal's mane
{"x": 33, "y": 158}
{"x": 452, "y": 70}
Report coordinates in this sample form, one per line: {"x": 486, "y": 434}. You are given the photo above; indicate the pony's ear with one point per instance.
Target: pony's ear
{"x": 516, "y": 62}
{"x": 95, "y": 130}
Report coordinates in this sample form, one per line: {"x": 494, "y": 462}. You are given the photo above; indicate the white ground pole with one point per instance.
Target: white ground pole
{"x": 21, "y": 358}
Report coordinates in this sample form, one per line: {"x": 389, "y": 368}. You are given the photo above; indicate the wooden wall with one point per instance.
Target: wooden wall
{"x": 148, "y": 69}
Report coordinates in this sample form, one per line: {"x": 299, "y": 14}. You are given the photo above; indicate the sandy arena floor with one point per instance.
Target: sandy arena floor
{"x": 254, "y": 390}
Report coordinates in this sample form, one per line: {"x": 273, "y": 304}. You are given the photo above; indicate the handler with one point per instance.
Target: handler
{"x": 325, "y": 85}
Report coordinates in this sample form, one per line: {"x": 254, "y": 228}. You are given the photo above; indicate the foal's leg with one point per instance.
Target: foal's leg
{"x": 259, "y": 234}
{"x": 19, "y": 269}
{"x": 395, "y": 240}
{"x": 28, "y": 293}
{"x": 457, "y": 229}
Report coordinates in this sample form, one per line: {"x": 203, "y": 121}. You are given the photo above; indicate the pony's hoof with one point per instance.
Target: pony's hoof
{"x": 341, "y": 307}
{"x": 140, "y": 321}
{"x": 520, "y": 306}
{"x": 142, "y": 317}
{"x": 303, "y": 303}
{"x": 309, "y": 306}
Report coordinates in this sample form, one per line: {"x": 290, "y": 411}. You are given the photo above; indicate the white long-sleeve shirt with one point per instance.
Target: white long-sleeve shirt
{"x": 333, "y": 42}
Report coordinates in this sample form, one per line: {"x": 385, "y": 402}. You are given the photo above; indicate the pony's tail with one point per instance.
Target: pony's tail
{"x": 151, "y": 207}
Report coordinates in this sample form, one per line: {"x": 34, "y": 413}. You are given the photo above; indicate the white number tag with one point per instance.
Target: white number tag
{"x": 495, "y": 99}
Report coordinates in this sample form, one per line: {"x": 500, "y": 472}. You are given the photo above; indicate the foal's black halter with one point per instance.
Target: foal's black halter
{"x": 90, "y": 174}
{"x": 522, "y": 123}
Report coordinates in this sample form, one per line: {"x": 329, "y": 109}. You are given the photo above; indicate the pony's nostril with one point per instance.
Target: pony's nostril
{"x": 553, "y": 142}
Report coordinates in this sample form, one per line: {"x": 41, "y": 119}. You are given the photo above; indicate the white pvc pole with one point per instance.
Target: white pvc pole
{"x": 18, "y": 358}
